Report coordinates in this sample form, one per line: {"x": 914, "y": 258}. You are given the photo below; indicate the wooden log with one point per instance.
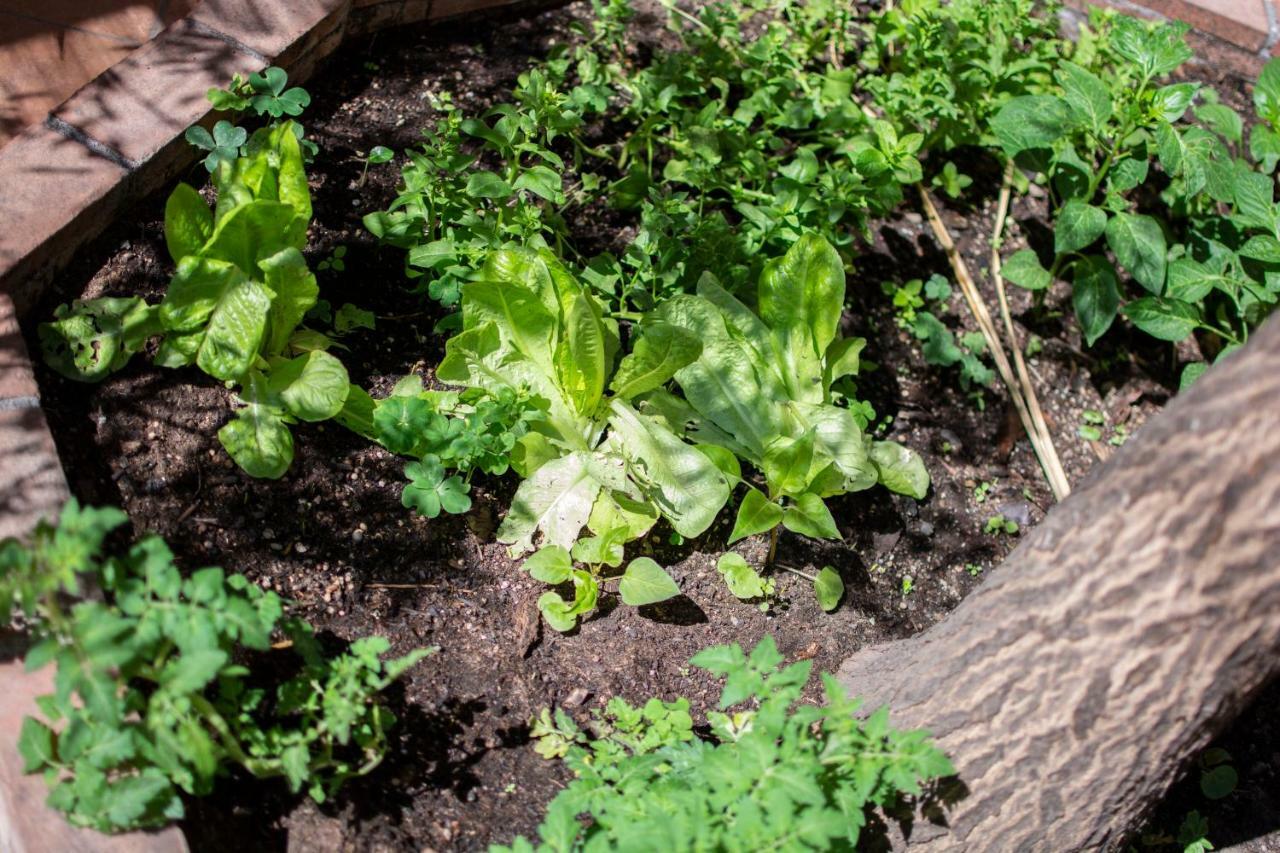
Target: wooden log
{"x": 1126, "y": 630}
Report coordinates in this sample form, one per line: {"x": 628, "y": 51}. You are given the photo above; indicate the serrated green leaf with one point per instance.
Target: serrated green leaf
{"x": 1031, "y": 121}
{"x": 1086, "y": 95}
{"x": 36, "y": 746}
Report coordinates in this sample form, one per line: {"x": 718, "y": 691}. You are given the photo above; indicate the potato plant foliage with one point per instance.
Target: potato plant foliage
{"x": 773, "y": 775}
{"x": 1163, "y": 212}
{"x": 153, "y": 697}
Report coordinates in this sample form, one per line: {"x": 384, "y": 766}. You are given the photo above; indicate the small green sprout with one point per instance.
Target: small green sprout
{"x": 998, "y": 524}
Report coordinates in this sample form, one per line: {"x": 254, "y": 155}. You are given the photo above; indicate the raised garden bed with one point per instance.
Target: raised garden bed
{"x": 333, "y": 536}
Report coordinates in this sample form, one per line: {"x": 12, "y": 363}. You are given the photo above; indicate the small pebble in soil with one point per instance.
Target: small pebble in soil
{"x": 357, "y": 536}
{"x": 926, "y": 529}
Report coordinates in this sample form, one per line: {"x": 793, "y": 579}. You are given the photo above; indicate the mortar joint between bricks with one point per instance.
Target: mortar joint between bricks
{"x": 75, "y": 134}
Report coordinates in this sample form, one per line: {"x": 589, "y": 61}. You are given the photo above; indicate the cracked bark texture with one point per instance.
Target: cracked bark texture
{"x": 1124, "y": 632}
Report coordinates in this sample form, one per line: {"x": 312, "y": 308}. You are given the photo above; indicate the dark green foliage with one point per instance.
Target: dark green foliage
{"x": 465, "y": 431}
{"x": 775, "y": 774}
{"x": 152, "y": 698}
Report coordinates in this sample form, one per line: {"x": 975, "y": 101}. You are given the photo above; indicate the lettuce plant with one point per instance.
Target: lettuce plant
{"x": 590, "y": 459}
{"x": 233, "y": 307}
{"x": 761, "y": 388}
{"x": 152, "y": 695}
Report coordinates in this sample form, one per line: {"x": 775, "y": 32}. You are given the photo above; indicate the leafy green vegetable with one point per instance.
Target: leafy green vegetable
{"x": 761, "y": 388}
{"x": 152, "y": 698}
{"x": 777, "y": 775}
{"x": 237, "y": 297}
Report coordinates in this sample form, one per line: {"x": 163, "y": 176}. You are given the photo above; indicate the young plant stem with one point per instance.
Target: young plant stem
{"x": 1046, "y": 451}
{"x": 1047, "y": 455}
{"x": 773, "y": 546}
{"x": 795, "y": 571}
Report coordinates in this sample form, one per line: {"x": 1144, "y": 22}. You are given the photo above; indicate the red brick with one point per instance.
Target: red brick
{"x": 27, "y": 825}
{"x": 1240, "y": 22}
{"x": 293, "y": 35}
{"x": 32, "y": 485}
{"x": 54, "y": 193}
{"x": 17, "y": 381}
{"x": 144, "y": 103}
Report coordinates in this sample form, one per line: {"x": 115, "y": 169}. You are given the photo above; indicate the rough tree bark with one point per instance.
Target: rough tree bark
{"x": 1125, "y": 631}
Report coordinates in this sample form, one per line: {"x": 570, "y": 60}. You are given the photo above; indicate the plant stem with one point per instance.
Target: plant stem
{"x": 1045, "y": 449}
{"x": 795, "y": 571}
{"x": 773, "y": 546}
{"x": 1047, "y": 455}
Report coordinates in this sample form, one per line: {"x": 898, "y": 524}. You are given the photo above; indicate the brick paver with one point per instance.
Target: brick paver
{"x": 50, "y": 48}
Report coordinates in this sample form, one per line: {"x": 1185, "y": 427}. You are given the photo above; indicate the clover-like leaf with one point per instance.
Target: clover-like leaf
{"x": 429, "y": 491}
{"x": 223, "y": 144}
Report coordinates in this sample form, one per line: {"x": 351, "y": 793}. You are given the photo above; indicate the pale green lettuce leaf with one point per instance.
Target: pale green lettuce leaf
{"x": 686, "y": 486}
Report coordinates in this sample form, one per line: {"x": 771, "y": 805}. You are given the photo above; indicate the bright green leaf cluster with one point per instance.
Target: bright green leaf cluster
{"x": 152, "y": 695}
{"x": 776, "y": 775}
{"x": 590, "y": 458}
{"x": 761, "y": 389}
{"x": 234, "y": 305}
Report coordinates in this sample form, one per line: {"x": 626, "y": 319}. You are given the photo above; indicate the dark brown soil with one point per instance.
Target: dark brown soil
{"x": 332, "y": 536}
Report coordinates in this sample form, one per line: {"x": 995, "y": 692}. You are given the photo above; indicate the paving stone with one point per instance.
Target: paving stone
{"x": 27, "y": 825}
{"x": 54, "y": 194}
{"x": 143, "y": 104}
{"x": 32, "y": 485}
{"x": 1240, "y": 22}
{"x": 51, "y": 48}
{"x": 293, "y": 35}
{"x": 17, "y": 381}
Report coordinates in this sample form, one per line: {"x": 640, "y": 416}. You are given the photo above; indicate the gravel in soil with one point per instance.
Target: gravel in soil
{"x": 332, "y": 535}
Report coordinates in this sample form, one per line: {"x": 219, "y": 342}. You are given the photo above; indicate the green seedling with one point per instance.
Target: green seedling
{"x": 642, "y": 771}
{"x": 157, "y": 692}
{"x": 998, "y": 524}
